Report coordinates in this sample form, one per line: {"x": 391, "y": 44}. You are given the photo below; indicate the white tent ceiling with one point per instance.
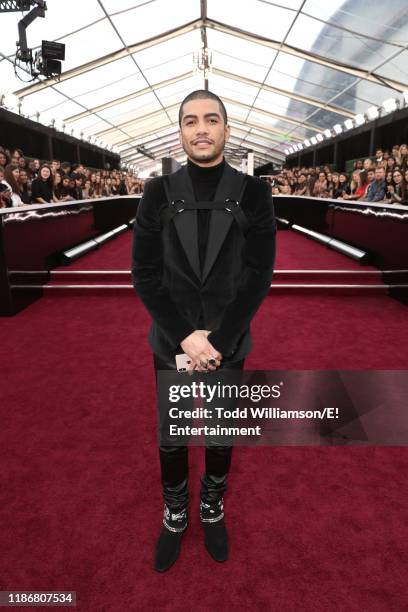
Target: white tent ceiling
{"x": 286, "y": 70}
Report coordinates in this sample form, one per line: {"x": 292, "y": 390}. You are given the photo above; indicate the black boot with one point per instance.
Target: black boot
{"x": 215, "y": 532}
{"x": 168, "y": 545}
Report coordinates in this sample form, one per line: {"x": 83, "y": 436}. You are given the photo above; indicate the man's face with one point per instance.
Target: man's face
{"x": 370, "y": 176}
{"x": 203, "y": 133}
{"x": 379, "y": 174}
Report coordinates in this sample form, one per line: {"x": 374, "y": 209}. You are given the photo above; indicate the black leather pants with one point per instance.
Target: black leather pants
{"x": 174, "y": 459}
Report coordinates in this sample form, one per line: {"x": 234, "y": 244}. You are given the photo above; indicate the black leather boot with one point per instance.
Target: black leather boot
{"x": 168, "y": 544}
{"x": 215, "y": 531}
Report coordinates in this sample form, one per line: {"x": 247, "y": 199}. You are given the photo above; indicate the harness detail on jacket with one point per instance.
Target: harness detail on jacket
{"x": 225, "y": 208}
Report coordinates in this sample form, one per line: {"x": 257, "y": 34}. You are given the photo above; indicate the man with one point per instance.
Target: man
{"x": 202, "y": 264}
{"x": 376, "y": 190}
{"x": 370, "y": 180}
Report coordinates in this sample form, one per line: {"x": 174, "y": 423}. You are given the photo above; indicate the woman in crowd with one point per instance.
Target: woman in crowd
{"x": 358, "y": 186}
{"x": 3, "y": 158}
{"x": 25, "y": 187}
{"x": 397, "y": 191}
{"x": 391, "y": 164}
{"x": 301, "y": 186}
{"x": 403, "y": 153}
{"x": 5, "y": 191}
{"x": 335, "y": 191}
{"x": 62, "y": 192}
{"x": 42, "y": 188}
{"x": 320, "y": 189}
{"x": 87, "y": 190}
{"x": 11, "y": 176}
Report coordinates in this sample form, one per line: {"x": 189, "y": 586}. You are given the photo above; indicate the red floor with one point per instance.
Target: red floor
{"x": 294, "y": 252}
{"x": 311, "y": 528}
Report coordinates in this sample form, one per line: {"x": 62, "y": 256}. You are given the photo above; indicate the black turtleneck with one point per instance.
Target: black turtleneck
{"x": 205, "y": 182}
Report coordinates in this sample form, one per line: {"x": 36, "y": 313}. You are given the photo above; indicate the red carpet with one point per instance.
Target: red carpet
{"x": 311, "y": 528}
{"x": 294, "y": 252}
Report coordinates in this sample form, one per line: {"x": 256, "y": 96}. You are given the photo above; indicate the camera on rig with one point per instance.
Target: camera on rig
{"x": 47, "y": 61}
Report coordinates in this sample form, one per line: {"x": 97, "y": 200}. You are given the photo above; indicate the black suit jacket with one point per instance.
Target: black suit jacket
{"x": 236, "y": 276}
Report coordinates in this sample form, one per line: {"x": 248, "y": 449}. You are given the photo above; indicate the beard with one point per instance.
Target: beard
{"x": 204, "y": 156}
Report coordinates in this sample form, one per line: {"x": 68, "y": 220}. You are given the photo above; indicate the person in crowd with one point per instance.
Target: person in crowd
{"x": 386, "y": 155}
{"x": 320, "y": 189}
{"x": 370, "y": 179}
{"x": 358, "y": 164}
{"x": 25, "y": 187}
{"x": 65, "y": 168}
{"x": 367, "y": 164}
{"x": 22, "y": 163}
{"x": 98, "y": 187}
{"x": 42, "y": 188}
{"x": 379, "y": 155}
{"x": 77, "y": 188}
{"x": 301, "y": 186}
{"x": 62, "y": 190}
{"x": 377, "y": 189}
{"x": 403, "y": 153}
{"x": 398, "y": 190}
{"x": 395, "y": 155}
{"x": 358, "y": 186}
{"x": 335, "y": 191}
{"x": 34, "y": 168}
{"x": 11, "y": 176}
{"x": 55, "y": 167}
{"x": 390, "y": 164}
{"x": 87, "y": 190}
{"x": 3, "y": 158}
{"x": 5, "y": 191}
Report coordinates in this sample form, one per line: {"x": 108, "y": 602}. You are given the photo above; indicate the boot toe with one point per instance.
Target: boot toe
{"x": 216, "y": 540}
{"x": 167, "y": 550}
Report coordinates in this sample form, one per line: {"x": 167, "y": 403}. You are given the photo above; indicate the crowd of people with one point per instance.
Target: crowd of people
{"x": 383, "y": 179}
{"x": 32, "y": 182}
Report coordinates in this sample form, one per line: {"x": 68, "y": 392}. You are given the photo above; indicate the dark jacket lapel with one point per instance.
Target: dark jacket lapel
{"x": 220, "y": 221}
{"x": 186, "y": 222}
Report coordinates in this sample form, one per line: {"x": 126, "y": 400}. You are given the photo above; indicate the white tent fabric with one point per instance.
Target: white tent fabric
{"x": 286, "y": 70}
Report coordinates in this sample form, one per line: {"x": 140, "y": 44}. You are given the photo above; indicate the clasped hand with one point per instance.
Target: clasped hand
{"x": 200, "y": 350}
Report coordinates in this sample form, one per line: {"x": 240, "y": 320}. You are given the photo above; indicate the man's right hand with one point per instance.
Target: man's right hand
{"x": 199, "y": 349}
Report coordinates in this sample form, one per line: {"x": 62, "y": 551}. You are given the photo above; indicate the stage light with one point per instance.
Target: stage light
{"x": 300, "y": 146}
{"x": 313, "y": 140}
{"x": 291, "y": 150}
{"x": 349, "y": 124}
{"x": 390, "y": 105}
{"x": 319, "y": 137}
{"x": 405, "y": 94}
{"x": 373, "y": 112}
{"x": 327, "y": 133}
{"x": 337, "y": 128}
{"x": 307, "y": 142}
{"x": 286, "y": 151}
{"x": 359, "y": 119}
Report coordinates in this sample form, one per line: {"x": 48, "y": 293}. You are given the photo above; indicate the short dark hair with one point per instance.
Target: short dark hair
{"x": 203, "y": 94}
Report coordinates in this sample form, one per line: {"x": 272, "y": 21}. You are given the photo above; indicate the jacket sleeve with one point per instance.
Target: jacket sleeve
{"x": 147, "y": 270}
{"x": 258, "y": 260}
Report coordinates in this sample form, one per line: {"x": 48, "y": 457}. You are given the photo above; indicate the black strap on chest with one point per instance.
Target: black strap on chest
{"x": 180, "y": 195}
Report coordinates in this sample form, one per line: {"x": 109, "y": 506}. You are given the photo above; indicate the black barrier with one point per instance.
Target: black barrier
{"x": 32, "y": 239}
